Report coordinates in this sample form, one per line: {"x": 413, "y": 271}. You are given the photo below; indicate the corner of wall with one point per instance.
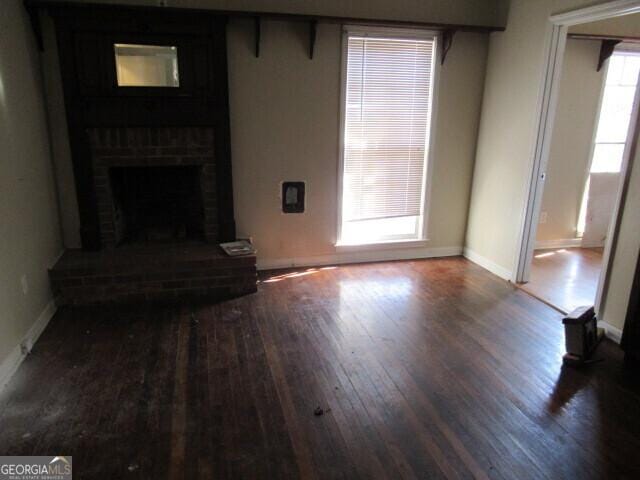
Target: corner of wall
{"x": 487, "y": 264}
{"x": 10, "y": 364}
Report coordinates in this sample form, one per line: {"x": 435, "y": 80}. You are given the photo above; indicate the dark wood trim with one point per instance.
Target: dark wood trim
{"x": 294, "y": 17}
{"x": 631, "y": 333}
{"x": 447, "y": 42}
{"x": 35, "y": 26}
{"x": 80, "y": 150}
{"x": 257, "y": 27}
{"x": 224, "y": 179}
{"x": 313, "y": 28}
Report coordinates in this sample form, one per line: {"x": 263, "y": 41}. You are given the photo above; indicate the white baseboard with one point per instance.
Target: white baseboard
{"x": 559, "y": 243}
{"x": 488, "y": 264}
{"x": 612, "y": 332}
{"x": 593, "y": 245}
{"x": 10, "y": 364}
{"x": 358, "y": 257}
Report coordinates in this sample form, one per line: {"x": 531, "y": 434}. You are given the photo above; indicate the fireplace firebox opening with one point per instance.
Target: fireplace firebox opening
{"x": 161, "y": 204}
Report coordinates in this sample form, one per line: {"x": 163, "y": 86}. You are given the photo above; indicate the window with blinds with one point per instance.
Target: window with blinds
{"x": 388, "y": 90}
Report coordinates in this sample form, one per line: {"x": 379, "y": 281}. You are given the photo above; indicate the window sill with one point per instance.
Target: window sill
{"x": 389, "y": 245}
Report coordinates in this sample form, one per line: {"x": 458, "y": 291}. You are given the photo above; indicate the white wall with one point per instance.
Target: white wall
{"x": 505, "y": 151}
{"x": 506, "y": 141}
{"x": 603, "y": 193}
{"x": 575, "y": 122}
{"x": 30, "y": 232}
{"x": 626, "y": 26}
{"x": 285, "y": 126}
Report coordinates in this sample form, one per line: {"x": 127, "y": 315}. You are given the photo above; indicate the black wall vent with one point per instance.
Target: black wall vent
{"x": 293, "y": 197}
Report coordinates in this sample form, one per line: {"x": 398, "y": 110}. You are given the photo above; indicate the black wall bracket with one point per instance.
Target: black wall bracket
{"x": 313, "y": 26}
{"x": 606, "y": 50}
{"x": 257, "y": 35}
{"x": 447, "y": 41}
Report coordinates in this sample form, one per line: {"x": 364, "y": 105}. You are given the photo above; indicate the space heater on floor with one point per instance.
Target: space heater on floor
{"x": 582, "y": 335}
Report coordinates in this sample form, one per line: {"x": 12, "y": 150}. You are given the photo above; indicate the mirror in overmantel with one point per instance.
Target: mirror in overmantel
{"x": 146, "y": 65}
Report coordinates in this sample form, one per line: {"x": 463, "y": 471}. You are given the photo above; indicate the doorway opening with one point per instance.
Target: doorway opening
{"x": 582, "y": 165}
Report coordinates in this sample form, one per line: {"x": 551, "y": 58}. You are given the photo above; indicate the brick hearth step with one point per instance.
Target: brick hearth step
{"x": 151, "y": 273}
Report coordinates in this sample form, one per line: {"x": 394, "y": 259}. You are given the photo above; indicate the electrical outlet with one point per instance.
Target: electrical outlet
{"x": 25, "y": 284}
{"x": 543, "y": 217}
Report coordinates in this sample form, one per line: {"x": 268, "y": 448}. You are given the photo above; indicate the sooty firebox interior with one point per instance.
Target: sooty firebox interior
{"x": 157, "y": 204}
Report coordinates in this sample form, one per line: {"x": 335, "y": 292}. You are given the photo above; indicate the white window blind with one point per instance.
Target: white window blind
{"x": 387, "y": 115}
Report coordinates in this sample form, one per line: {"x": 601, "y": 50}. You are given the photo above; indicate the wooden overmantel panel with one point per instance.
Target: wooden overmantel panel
{"x": 86, "y": 39}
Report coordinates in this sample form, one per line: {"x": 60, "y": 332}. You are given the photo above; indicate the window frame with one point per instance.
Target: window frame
{"x": 631, "y": 50}
{"x": 623, "y": 49}
{"x": 380, "y": 32}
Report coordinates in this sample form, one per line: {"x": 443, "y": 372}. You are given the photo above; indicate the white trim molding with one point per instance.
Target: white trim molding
{"x": 534, "y": 186}
{"x": 11, "y": 363}
{"x": 594, "y": 244}
{"x": 340, "y": 258}
{"x": 381, "y": 246}
{"x": 611, "y": 332}
{"x": 487, "y": 264}
{"x": 422, "y": 229}
{"x": 559, "y": 243}
{"x": 602, "y": 11}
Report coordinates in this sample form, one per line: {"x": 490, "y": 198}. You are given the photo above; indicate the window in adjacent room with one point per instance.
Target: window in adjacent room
{"x": 613, "y": 120}
{"x": 388, "y": 85}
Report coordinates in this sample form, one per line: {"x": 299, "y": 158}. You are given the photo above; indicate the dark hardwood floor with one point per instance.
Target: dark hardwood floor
{"x": 565, "y": 277}
{"x": 425, "y": 369}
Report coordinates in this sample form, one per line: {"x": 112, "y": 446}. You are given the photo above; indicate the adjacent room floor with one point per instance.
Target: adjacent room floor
{"x": 423, "y": 369}
{"x": 565, "y": 277}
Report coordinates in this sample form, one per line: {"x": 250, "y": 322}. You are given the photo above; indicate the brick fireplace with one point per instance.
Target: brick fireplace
{"x": 146, "y": 175}
{"x": 151, "y": 161}
{"x": 158, "y": 211}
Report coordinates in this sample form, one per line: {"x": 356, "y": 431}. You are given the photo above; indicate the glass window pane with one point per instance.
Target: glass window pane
{"x": 631, "y": 70}
{"x": 618, "y": 99}
{"x": 146, "y": 65}
{"x": 612, "y": 128}
{"x": 386, "y": 123}
{"x": 615, "y": 69}
{"x": 366, "y": 231}
{"x": 607, "y": 157}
